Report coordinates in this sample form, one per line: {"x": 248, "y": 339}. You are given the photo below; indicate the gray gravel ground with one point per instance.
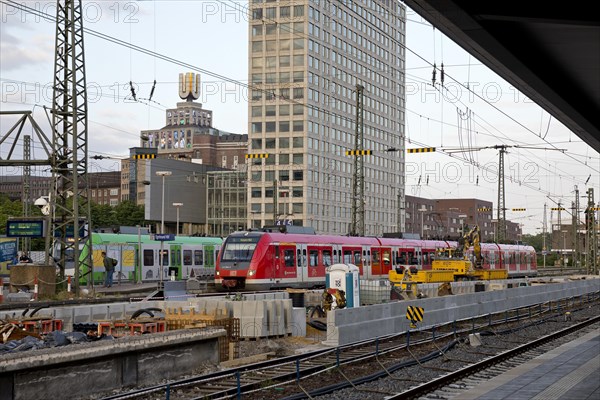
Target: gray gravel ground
{"x": 413, "y": 376}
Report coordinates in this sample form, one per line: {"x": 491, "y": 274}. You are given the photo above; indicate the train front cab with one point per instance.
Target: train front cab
{"x": 240, "y": 259}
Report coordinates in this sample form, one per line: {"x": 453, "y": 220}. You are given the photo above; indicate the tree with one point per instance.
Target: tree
{"x": 127, "y": 213}
{"x": 8, "y": 209}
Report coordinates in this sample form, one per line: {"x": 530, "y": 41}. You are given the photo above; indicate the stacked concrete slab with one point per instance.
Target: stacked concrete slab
{"x": 351, "y": 325}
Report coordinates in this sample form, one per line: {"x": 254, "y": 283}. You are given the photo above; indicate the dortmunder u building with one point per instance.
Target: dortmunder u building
{"x": 305, "y": 62}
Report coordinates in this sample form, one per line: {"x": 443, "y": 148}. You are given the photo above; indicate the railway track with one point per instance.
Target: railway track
{"x": 452, "y": 384}
{"x": 327, "y": 371}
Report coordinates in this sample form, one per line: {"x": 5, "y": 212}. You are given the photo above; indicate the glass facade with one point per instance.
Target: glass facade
{"x": 305, "y": 61}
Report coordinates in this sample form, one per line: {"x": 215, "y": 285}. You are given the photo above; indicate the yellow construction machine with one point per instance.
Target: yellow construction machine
{"x": 449, "y": 265}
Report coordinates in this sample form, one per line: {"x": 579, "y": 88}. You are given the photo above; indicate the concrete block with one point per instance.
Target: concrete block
{"x": 297, "y": 323}
{"x": 18, "y": 297}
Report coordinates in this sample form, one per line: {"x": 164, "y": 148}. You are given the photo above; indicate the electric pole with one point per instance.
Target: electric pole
{"x": 575, "y": 222}
{"x": 69, "y": 162}
{"x": 500, "y": 234}
{"x": 358, "y": 178}
{"x": 501, "y": 210}
{"x": 591, "y": 242}
{"x": 26, "y": 196}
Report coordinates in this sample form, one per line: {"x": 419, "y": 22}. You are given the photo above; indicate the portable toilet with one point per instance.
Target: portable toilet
{"x": 345, "y": 277}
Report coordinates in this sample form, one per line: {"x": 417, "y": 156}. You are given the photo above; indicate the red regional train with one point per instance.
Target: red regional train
{"x": 258, "y": 260}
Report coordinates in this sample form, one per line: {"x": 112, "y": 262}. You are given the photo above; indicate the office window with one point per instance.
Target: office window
{"x": 270, "y": 127}
{"x": 298, "y": 126}
{"x": 270, "y": 111}
{"x": 257, "y": 47}
{"x": 256, "y": 30}
{"x": 284, "y": 126}
{"x": 298, "y": 11}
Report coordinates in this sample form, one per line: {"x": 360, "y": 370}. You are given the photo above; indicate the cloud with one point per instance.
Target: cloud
{"x": 17, "y": 54}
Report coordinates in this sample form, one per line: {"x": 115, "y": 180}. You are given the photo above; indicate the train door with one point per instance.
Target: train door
{"x": 380, "y": 261}
{"x": 175, "y": 262}
{"x": 407, "y": 257}
{"x": 284, "y": 262}
{"x": 353, "y": 255}
{"x": 301, "y": 262}
{"x": 210, "y": 256}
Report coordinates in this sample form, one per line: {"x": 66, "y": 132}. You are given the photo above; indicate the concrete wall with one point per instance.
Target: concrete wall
{"x": 93, "y": 368}
{"x": 356, "y": 324}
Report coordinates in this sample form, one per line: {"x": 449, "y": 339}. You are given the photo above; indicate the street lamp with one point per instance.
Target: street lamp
{"x": 422, "y": 210}
{"x": 162, "y": 174}
{"x": 177, "y": 206}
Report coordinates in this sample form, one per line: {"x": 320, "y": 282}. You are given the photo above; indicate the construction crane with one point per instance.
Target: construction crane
{"x": 501, "y": 209}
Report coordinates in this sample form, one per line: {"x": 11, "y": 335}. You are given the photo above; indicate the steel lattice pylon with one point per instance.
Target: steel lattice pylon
{"x": 70, "y": 188}
{"x": 358, "y": 178}
{"x": 501, "y": 211}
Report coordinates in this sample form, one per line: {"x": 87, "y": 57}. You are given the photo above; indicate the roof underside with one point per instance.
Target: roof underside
{"x": 552, "y": 54}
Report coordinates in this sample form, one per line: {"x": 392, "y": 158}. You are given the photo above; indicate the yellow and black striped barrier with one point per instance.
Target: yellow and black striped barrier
{"x": 414, "y": 315}
{"x": 519, "y": 209}
{"x": 143, "y": 156}
{"x": 557, "y": 209}
{"x": 261, "y": 155}
{"x": 359, "y": 152}
{"x": 484, "y": 209}
{"x": 421, "y": 150}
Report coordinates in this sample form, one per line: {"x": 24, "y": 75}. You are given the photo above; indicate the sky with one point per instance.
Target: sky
{"x": 210, "y": 38}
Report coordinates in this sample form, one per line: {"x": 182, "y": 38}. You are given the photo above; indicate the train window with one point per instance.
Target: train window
{"x": 175, "y": 258}
{"x": 299, "y": 257}
{"x": 198, "y": 257}
{"x": 336, "y": 256}
{"x": 210, "y": 258}
{"x": 386, "y": 257}
{"x": 313, "y": 258}
{"x": 187, "y": 257}
{"x": 375, "y": 257}
{"x": 165, "y": 257}
{"x": 347, "y": 257}
{"x": 239, "y": 249}
{"x": 288, "y": 257}
{"x": 357, "y": 259}
{"x": 148, "y": 258}
{"x": 327, "y": 257}
{"x": 412, "y": 259}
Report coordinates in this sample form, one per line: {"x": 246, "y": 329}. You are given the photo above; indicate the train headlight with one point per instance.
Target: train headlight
{"x": 218, "y": 273}
{"x": 251, "y": 272}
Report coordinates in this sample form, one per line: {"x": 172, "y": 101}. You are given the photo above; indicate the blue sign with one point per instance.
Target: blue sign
{"x": 8, "y": 250}
{"x": 164, "y": 237}
{"x": 286, "y": 222}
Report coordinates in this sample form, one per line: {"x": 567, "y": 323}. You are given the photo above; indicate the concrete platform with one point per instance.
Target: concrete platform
{"x": 569, "y": 372}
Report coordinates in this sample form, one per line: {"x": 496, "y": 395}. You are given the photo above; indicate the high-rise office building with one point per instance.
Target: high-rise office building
{"x": 306, "y": 59}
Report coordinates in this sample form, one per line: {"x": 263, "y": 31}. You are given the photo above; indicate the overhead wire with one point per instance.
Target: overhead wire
{"x": 221, "y": 77}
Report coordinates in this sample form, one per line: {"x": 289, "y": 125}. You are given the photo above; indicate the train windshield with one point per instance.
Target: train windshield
{"x": 239, "y": 248}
